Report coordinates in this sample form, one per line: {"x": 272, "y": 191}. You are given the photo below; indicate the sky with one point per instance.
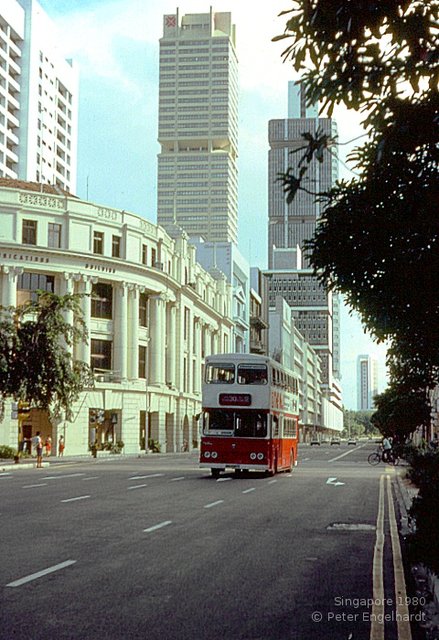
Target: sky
{"x": 116, "y": 44}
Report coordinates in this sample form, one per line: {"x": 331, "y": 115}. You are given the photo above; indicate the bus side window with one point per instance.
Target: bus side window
{"x": 275, "y": 427}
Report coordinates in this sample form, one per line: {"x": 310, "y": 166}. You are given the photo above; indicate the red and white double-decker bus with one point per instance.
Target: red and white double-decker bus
{"x": 250, "y": 414}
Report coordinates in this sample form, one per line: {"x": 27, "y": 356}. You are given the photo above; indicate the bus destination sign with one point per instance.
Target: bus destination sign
{"x": 240, "y": 399}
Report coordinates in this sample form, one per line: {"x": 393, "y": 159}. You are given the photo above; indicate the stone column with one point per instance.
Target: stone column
{"x": 157, "y": 343}
{"x": 120, "y": 331}
{"x": 197, "y": 356}
{"x": 9, "y": 285}
{"x": 66, "y": 288}
{"x": 171, "y": 343}
{"x": 133, "y": 333}
{"x": 85, "y": 284}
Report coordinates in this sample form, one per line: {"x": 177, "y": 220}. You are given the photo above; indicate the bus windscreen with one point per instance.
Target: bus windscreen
{"x": 240, "y": 424}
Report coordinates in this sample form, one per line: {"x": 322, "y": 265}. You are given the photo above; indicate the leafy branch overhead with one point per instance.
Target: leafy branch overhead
{"x": 377, "y": 242}
{"x": 36, "y": 362}
{"x": 314, "y": 149}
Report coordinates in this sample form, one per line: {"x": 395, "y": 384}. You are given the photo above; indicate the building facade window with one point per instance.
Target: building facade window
{"x": 98, "y": 242}
{"x": 100, "y": 355}
{"x": 28, "y": 283}
{"x": 54, "y": 235}
{"x": 142, "y": 362}
{"x": 143, "y": 310}
{"x": 102, "y": 301}
{"x": 144, "y": 254}
{"x": 115, "y": 246}
{"x": 29, "y": 232}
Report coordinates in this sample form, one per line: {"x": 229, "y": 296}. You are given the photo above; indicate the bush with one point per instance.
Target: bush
{"x": 7, "y": 452}
{"x": 424, "y": 541}
{"x": 153, "y": 445}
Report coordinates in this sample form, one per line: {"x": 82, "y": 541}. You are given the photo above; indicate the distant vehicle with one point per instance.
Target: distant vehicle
{"x": 352, "y": 441}
{"x": 250, "y": 418}
{"x": 335, "y": 441}
{"x": 315, "y": 441}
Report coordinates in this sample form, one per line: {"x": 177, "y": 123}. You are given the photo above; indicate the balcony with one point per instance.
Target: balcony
{"x": 105, "y": 375}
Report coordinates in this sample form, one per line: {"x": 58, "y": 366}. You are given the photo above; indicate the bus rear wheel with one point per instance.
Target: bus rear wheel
{"x": 215, "y": 473}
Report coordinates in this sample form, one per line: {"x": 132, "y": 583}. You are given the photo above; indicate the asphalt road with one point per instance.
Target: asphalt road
{"x": 154, "y": 548}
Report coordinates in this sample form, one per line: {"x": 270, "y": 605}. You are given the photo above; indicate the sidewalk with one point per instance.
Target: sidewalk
{"x": 8, "y": 465}
{"x": 426, "y": 583}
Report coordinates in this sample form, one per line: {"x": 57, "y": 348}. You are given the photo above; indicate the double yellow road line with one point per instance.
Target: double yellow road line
{"x": 400, "y": 599}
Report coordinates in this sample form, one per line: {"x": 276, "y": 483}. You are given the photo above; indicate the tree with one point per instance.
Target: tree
{"x": 377, "y": 242}
{"x": 36, "y": 364}
{"x": 400, "y": 413}
{"x": 357, "y": 423}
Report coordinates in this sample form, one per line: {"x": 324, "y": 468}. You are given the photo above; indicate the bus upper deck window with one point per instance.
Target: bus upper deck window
{"x": 220, "y": 374}
{"x": 252, "y": 374}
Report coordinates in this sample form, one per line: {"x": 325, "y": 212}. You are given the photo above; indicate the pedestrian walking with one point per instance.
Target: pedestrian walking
{"x": 38, "y": 446}
{"x": 61, "y": 446}
{"x": 48, "y": 446}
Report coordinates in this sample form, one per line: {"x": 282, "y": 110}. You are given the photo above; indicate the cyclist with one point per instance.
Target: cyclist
{"x": 387, "y": 449}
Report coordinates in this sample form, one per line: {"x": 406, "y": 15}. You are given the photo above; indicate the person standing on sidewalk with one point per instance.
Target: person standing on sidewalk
{"x": 61, "y": 446}
{"x": 38, "y": 446}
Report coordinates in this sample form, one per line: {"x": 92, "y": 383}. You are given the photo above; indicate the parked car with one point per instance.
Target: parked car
{"x": 335, "y": 441}
{"x": 352, "y": 441}
{"x": 315, "y": 441}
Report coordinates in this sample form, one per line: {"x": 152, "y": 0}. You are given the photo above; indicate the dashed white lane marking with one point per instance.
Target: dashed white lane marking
{"x": 31, "y": 486}
{"x": 67, "y": 475}
{"x": 158, "y": 526}
{"x": 3, "y": 475}
{"x": 306, "y": 459}
{"x": 223, "y": 479}
{"x": 40, "y": 574}
{"x": 342, "y": 455}
{"x": 137, "y": 486}
{"x": 248, "y": 490}
{"x": 152, "y": 475}
{"x": 175, "y": 479}
{"x": 91, "y": 478}
{"x": 271, "y": 481}
{"x": 77, "y": 498}
{"x": 213, "y": 504}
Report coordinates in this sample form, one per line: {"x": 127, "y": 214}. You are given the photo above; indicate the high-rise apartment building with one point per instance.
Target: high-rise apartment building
{"x": 367, "y": 382}
{"x": 316, "y": 313}
{"x": 198, "y": 126}
{"x": 38, "y": 99}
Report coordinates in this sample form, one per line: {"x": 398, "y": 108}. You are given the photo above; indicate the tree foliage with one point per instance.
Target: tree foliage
{"x": 36, "y": 364}
{"x": 399, "y": 413}
{"x": 377, "y": 242}
{"x": 358, "y": 423}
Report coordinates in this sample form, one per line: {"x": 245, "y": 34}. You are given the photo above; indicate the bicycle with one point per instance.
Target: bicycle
{"x": 377, "y": 456}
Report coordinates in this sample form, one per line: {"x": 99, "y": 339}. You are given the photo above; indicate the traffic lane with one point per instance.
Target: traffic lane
{"x": 187, "y": 579}
{"x": 71, "y": 508}
{"x": 327, "y": 452}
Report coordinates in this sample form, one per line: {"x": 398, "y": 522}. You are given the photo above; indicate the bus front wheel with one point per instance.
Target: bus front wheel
{"x": 291, "y": 462}
{"x": 272, "y": 472}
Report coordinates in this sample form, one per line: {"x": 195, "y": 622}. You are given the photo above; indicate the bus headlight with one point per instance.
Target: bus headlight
{"x": 214, "y": 454}
{"x": 207, "y": 454}
{"x": 260, "y": 456}
{"x": 253, "y": 456}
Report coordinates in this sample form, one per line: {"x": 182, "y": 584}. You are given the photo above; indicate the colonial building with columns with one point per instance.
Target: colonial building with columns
{"x": 152, "y": 313}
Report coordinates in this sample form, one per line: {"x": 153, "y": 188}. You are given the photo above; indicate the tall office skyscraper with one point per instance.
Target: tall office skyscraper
{"x": 38, "y": 99}
{"x": 198, "y": 126}
{"x": 367, "y": 382}
{"x": 316, "y": 312}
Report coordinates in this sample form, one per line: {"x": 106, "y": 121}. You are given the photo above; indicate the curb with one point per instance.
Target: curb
{"x": 56, "y": 460}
